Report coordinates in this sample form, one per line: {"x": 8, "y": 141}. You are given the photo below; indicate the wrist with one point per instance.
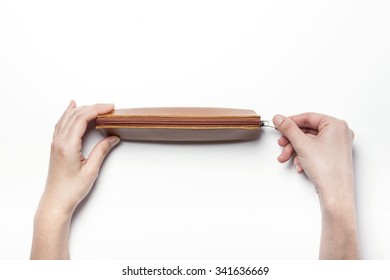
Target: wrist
{"x": 51, "y": 219}
{"x": 337, "y": 200}
{"x": 336, "y": 189}
{"x": 51, "y": 233}
{"x": 51, "y": 207}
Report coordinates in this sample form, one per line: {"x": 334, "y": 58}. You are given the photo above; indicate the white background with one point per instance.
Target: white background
{"x": 206, "y": 201}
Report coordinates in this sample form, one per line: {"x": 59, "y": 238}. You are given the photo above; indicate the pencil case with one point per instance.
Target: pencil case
{"x": 182, "y": 124}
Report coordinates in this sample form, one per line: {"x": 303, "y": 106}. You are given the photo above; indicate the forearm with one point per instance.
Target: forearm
{"x": 339, "y": 228}
{"x": 51, "y": 233}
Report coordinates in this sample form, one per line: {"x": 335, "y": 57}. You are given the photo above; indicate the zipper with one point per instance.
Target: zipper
{"x": 177, "y": 121}
{"x": 268, "y": 124}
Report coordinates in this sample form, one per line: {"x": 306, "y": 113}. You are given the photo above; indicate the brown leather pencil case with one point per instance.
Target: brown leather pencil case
{"x": 181, "y": 124}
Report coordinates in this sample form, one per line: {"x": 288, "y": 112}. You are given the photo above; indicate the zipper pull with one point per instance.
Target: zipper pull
{"x": 268, "y": 124}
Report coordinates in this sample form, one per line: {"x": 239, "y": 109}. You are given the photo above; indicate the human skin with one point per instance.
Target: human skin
{"x": 321, "y": 147}
{"x": 70, "y": 178}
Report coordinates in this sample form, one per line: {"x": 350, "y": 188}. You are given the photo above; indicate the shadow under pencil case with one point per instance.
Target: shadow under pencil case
{"x": 181, "y": 124}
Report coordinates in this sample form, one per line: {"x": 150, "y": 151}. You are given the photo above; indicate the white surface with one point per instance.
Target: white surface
{"x": 165, "y": 201}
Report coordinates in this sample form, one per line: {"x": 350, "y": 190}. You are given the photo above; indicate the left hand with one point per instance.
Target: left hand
{"x": 71, "y": 175}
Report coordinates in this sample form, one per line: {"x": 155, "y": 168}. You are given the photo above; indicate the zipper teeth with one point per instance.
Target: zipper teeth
{"x": 179, "y": 127}
{"x": 121, "y": 121}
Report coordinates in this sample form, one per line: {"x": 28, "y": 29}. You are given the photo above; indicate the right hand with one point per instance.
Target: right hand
{"x": 322, "y": 148}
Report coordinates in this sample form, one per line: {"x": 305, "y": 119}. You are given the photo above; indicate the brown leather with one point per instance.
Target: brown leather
{"x": 181, "y": 124}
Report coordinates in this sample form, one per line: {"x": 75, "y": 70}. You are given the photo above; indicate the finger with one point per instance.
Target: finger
{"x": 65, "y": 116}
{"x": 283, "y": 141}
{"x": 286, "y": 154}
{"x": 311, "y": 135}
{"x": 290, "y": 130}
{"x": 99, "y": 153}
{"x": 309, "y": 131}
{"x": 309, "y": 120}
{"x": 298, "y": 165}
{"x": 82, "y": 116}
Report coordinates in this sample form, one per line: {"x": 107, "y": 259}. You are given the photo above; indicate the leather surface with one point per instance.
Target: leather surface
{"x": 183, "y": 135}
{"x": 181, "y": 112}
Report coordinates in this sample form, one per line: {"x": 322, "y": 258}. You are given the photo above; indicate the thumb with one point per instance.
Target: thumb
{"x": 100, "y": 151}
{"x": 290, "y": 130}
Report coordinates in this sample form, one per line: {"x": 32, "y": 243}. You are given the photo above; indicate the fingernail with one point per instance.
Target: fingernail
{"x": 114, "y": 140}
{"x": 296, "y": 167}
{"x": 279, "y": 119}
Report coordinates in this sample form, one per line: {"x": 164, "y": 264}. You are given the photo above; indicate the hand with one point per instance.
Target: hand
{"x": 322, "y": 148}
{"x": 70, "y": 178}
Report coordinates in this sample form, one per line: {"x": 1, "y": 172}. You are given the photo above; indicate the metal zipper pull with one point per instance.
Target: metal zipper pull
{"x": 268, "y": 124}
